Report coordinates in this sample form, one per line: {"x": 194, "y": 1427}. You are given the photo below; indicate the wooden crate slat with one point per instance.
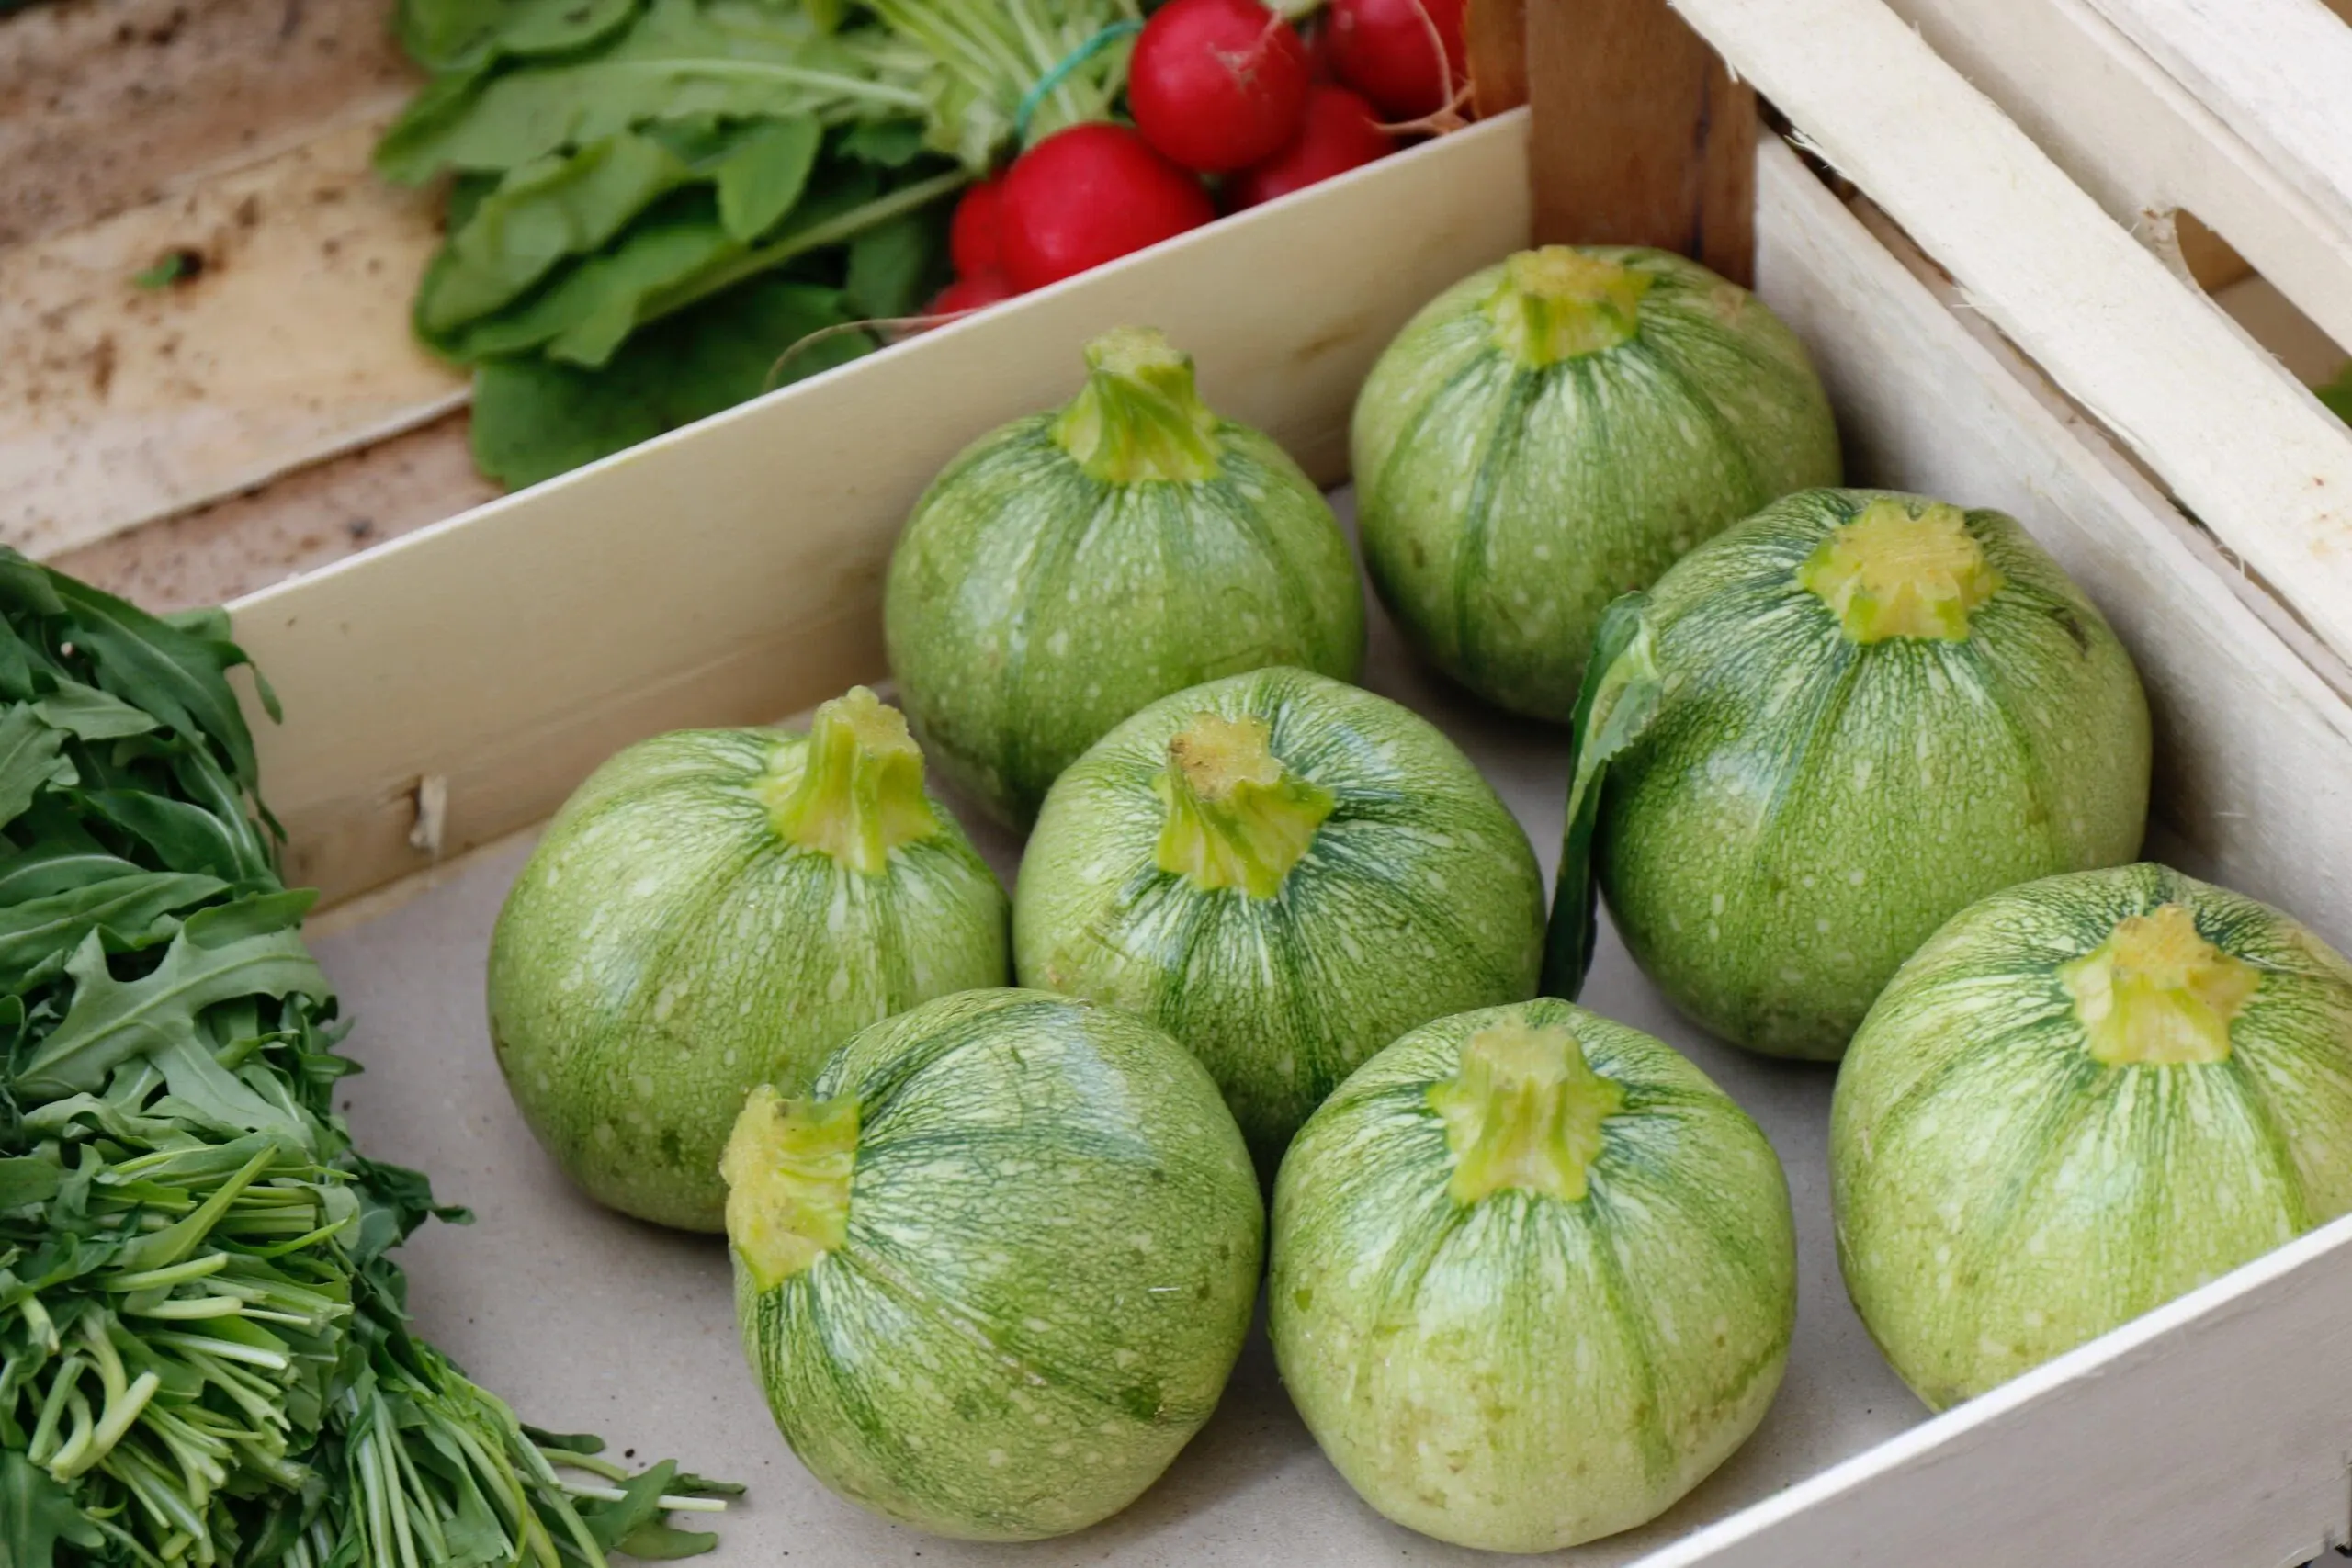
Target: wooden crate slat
{"x": 2252, "y": 455}
{"x": 118, "y": 404}
{"x": 2140, "y": 143}
{"x": 2279, "y": 73}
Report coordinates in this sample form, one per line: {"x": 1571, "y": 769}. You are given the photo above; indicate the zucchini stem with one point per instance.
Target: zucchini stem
{"x": 1236, "y": 817}
{"x": 1524, "y": 1111}
{"x": 1902, "y": 567}
{"x": 1561, "y": 303}
{"x": 2157, "y": 993}
{"x": 788, "y": 1166}
{"x": 1139, "y": 417}
{"x": 854, "y": 788}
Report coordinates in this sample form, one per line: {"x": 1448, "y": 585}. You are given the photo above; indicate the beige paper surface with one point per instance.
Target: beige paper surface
{"x": 585, "y": 1321}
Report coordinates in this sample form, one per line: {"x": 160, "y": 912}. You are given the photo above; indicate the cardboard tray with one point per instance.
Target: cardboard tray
{"x": 446, "y": 692}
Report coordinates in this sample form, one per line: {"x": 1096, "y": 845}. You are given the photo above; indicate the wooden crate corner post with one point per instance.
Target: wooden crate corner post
{"x": 1641, "y": 134}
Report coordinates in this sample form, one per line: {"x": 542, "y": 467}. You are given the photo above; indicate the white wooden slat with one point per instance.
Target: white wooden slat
{"x": 2209, "y": 1434}
{"x": 2277, "y": 72}
{"x": 2257, "y": 458}
{"x": 2139, "y": 142}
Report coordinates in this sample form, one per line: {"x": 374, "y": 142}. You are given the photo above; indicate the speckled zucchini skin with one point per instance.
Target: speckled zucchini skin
{"x": 664, "y": 951}
{"x": 1031, "y": 607}
{"x": 2002, "y": 1196}
{"x": 1527, "y": 1373}
{"x": 1806, "y": 811}
{"x": 1051, "y": 1260}
{"x": 1419, "y": 897}
{"x": 1503, "y": 508}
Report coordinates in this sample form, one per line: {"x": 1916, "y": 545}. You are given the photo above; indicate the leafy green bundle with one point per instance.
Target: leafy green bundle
{"x": 653, "y": 201}
{"x": 204, "y": 1357}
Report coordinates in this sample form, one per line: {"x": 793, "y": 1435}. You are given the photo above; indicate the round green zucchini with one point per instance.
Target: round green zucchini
{"x": 1533, "y": 1278}
{"x": 1556, "y": 430}
{"x": 1074, "y": 565}
{"x": 2084, "y": 1096}
{"x": 1284, "y": 872}
{"x": 1824, "y": 733}
{"x": 994, "y": 1269}
{"x": 717, "y": 908}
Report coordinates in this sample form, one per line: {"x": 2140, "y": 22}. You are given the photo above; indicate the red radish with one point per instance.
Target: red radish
{"x": 1216, "y": 84}
{"x": 1089, "y": 195}
{"x": 1388, "y": 49}
{"x": 970, "y": 293}
{"x": 974, "y": 239}
{"x": 1341, "y": 133}
{"x": 1315, "y": 34}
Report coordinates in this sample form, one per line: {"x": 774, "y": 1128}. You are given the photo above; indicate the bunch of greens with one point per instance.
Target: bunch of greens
{"x": 204, "y": 1357}
{"x": 652, "y": 200}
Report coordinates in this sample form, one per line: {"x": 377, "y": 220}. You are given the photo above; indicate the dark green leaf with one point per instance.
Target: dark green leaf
{"x": 888, "y": 143}
{"x": 24, "y": 1181}
{"x": 183, "y": 837}
{"x": 30, "y": 759}
{"x": 533, "y": 420}
{"x": 658, "y": 1542}
{"x": 52, "y": 868}
{"x": 1620, "y": 698}
{"x": 558, "y": 207}
{"x": 28, "y": 587}
{"x": 679, "y": 61}
{"x": 91, "y": 714}
{"x": 462, "y": 35}
{"x": 894, "y": 269}
{"x": 264, "y": 914}
{"x": 564, "y": 1442}
{"x": 112, "y": 1021}
{"x": 178, "y": 678}
{"x": 763, "y": 177}
{"x": 585, "y": 313}
{"x": 35, "y": 934}
{"x": 36, "y": 1513}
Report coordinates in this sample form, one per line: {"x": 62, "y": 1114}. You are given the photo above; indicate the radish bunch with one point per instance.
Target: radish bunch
{"x": 1228, "y": 102}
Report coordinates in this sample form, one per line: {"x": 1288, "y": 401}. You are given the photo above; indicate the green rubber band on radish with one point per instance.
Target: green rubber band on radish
{"x": 1061, "y": 72}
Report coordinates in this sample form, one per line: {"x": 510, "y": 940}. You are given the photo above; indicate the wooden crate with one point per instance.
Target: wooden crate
{"x": 1990, "y": 332}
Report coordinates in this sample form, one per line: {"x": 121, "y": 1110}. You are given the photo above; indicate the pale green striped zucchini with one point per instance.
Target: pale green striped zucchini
{"x": 717, "y": 908}
{"x": 1072, "y": 566}
{"x": 1824, "y": 733}
{"x": 2084, "y": 1096}
{"x": 1533, "y": 1278}
{"x": 1285, "y": 874}
{"x": 994, "y": 1269}
{"x": 1553, "y": 432}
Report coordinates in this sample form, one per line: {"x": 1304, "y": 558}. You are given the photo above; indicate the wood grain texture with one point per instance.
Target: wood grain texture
{"x": 107, "y": 105}
{"x": 1641, "y": 136}
{"x": 2142, "y": 145}
{"x": 2279, "y": 73}
{"x": 288, "y": 341}
{"x": 298, "y": 524}
{"x": 2253, "y": 454}
{"x": 1497, "y": 39}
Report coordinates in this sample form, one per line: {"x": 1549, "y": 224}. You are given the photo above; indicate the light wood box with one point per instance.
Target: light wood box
{"x": 1989, "y": 333}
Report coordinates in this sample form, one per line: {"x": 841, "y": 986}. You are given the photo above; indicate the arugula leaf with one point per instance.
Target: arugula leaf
{"x": 534, "y": 419}
{"x": 1621, "y": 688}
{"x": 34, "y": 931}
{"x": 153, "y": 665}
{"x": 36, "y": 1513}
{"x": 185, "y": 838}
{"x": 92, "y": 715}
{"x": 112, "y": 1021}
{"x": 51, "y": 869}
{"x": 31, "y": 756}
